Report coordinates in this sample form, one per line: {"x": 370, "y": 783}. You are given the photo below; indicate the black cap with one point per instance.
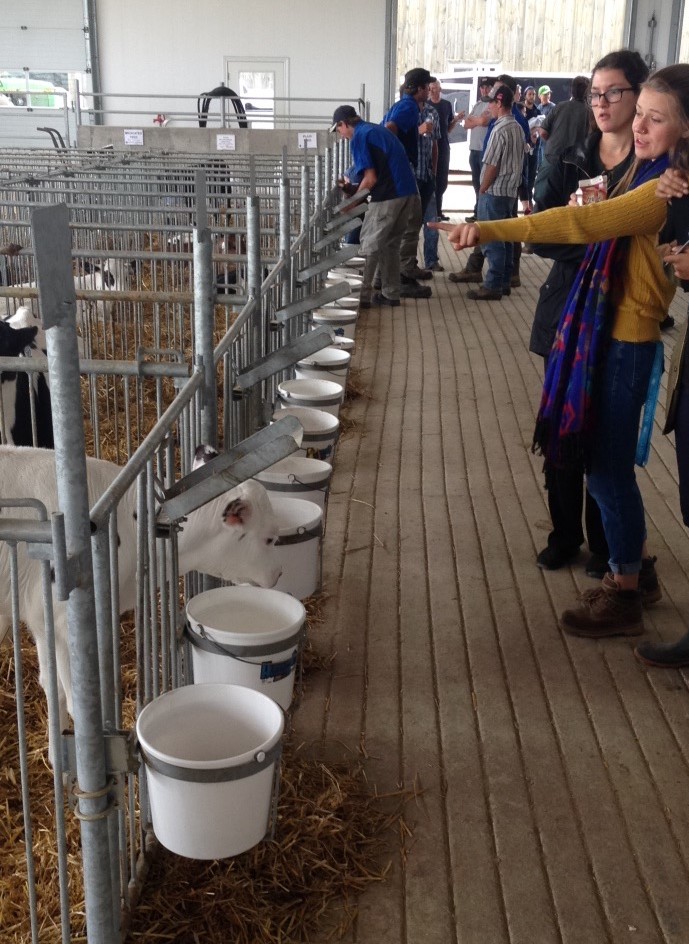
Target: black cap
{"x": 485, "y": 80}
{"x": 343, "y": 113}
{"x": 415, "y": 78}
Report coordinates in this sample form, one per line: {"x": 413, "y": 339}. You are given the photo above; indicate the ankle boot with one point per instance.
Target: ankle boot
{"x": 664, "y": 655}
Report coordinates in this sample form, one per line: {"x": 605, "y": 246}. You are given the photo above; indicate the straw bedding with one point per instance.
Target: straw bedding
{"x": 332, "y": 840}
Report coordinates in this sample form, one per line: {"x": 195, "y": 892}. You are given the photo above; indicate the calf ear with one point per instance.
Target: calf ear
{"x": 237, "y": 513}
{"x": 203, "y": 454}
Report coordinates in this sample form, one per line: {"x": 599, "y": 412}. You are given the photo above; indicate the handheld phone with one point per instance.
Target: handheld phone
{"x": 676, "y": 251}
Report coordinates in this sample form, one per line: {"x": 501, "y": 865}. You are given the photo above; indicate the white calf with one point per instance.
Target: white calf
{"x": 232, "y": 537}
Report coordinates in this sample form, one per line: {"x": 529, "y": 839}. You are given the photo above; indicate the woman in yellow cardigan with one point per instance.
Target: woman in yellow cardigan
{"x": 607, "y": 357}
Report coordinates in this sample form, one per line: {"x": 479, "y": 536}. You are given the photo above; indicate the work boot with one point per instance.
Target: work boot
{"x": 664, "y": 655}
{"x": 417, "y": 273}
{"x": 605, "y": 611}
{"x": 410, "y": 288}
{"x": 515, "y": 281}
{"x": 465, "y": 276}
{"x": 484, "y": 294}
{"x": 383, "y": 300}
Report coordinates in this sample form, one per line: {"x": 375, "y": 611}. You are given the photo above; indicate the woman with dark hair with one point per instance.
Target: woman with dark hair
{"x": 607, "y": 358}
{"x": 609, "y": 150}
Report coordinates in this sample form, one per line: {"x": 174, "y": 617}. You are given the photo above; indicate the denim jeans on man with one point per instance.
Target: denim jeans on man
{"x": 500, "y": 256}
{"x": 430, "y": 236}
{"x": 611, "y": 478}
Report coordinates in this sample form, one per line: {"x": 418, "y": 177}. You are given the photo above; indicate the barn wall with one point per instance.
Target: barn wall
{"x": 527, "y": 34}
{"x": 179, "y": 48}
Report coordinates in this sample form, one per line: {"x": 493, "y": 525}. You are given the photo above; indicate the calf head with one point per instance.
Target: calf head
{"x": 233, "y": 537}
{"x": 14, "y": 341}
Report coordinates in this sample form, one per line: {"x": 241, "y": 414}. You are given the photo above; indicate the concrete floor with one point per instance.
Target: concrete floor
{"x": 554, "y": 770}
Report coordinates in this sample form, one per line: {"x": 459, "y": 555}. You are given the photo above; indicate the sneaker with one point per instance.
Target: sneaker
{"x": 469, "y": 219}
{"x": 605, "y": 611}
{"x": 414, "y": 290}
{"x": 483, "y": 294}
{"x": 553, "y": 558}
{"x": 649, "y": 587}
{"x": 667, "y": 323}
{"x": 437, "y": 267}
{"x": 465, "y": 276}
{"x": 380, "y": 299}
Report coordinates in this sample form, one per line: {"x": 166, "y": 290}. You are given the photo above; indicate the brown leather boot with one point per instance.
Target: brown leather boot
{"x": 605, "y": 611}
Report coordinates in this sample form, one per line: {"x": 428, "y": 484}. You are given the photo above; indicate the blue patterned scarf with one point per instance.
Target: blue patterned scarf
{"x": 566, "y": 417}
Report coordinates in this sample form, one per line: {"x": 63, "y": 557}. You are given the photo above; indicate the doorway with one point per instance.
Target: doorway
{"x": 263, "y": 86}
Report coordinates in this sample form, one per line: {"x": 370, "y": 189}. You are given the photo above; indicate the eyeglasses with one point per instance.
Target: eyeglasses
{"x": 611, "y": 96}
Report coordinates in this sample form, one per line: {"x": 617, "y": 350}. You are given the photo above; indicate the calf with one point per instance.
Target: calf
{"x": 232, "y": 537}
{"x": 20, "y": 335}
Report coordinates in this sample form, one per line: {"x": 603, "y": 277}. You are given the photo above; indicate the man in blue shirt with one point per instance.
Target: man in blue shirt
{"x": 405, "y": 121}
{"x": 380, "y": 159}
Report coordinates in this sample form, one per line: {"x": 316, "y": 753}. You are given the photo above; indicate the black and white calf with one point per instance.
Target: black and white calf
{"x": 22, "y": 334}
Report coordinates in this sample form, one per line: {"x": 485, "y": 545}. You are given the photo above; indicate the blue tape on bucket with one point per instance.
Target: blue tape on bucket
{"x": 276, "y": 671}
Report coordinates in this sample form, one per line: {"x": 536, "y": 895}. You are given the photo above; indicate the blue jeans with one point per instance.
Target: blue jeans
{"x": 611, "y": 478}
{"x": 500, "y": 256}
{"x": 430, "y": 236}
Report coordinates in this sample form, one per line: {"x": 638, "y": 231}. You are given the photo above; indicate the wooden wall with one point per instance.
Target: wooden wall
{"x": 568, "y": 35}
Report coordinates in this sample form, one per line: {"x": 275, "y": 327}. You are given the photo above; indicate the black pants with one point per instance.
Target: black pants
{"x": 568, "y": 497}
{"x": 442, "y": 175}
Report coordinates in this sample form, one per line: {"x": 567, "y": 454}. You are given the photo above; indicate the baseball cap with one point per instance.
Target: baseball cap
{"x": 343, "y": 113}
{"x": 529, "y": 88}
{"x": 544, "y": 89}
{"x": 415, "y": 78}
{"x": 485, "y": 80}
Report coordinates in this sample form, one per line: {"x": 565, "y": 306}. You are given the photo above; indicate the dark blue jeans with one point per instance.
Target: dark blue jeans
{"x": 612, "y": 479}
{"x": 500, "y": 256}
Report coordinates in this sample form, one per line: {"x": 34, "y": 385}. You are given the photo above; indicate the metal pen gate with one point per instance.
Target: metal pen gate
{"x": 191, "y": 288}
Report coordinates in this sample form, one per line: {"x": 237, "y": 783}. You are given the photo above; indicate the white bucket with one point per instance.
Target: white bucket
{"x": 342, "y": 344}
{"x": 298, "y": 477}
{"x": 210, "y": 754}
{"x": 329, "y": 363}
{"x": 247, "y": 636}
{"x": 300, "y": 525}
{"x": 320, "y": 430}
{"x": 340, "y": 320}
{"x": 321, "y": 394}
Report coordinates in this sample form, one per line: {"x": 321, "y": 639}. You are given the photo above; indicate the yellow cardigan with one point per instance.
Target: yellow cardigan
{"x": 640, "y": 291}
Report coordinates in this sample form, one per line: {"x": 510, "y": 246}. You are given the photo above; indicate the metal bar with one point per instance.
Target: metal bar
{"x": 304, "y": 305}
{"x": 337, "y": 258}
{"x": 286, "y": 356}
{"x": 51, "y": 239}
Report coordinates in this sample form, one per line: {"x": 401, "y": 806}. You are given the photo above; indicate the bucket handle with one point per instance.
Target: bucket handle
{"x": 203, "y": 641}
{"x": 259, "y": 762}
{"x": 303, "y": 534}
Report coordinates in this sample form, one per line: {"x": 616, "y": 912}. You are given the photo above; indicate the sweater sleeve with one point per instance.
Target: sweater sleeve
{"x": 637, "y": 213}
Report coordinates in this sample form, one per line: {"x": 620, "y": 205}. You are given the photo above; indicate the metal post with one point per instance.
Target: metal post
{"x": 204, "y": 308}
{"x": 52, "y": 246}
{"x": 253, "y": 270}
{"x": 285, "y": 239}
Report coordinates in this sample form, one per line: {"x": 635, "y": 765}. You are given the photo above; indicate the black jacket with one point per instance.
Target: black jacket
{"x": 562, "y": 180}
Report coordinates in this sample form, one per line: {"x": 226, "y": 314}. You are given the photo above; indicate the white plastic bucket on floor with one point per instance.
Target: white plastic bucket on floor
{"x": 349, "y": 302}
{"x": 329, "y": 363}
{"x": 300, "y": 528}
{"x": 320, "y": 430}
{"x": 321, "y": 394}
{"x": 247, "y": 636}
{"x": 340, "y": 320}
{"x": 210, "y": 753}
{"x": 298, "y": 477}
{"x": 341, "y": 343}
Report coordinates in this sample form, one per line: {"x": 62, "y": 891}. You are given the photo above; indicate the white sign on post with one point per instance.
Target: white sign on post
{"x": 225, "y": 142}
{"x": 133, "y": 137}
{"x": 307, "y": 139}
